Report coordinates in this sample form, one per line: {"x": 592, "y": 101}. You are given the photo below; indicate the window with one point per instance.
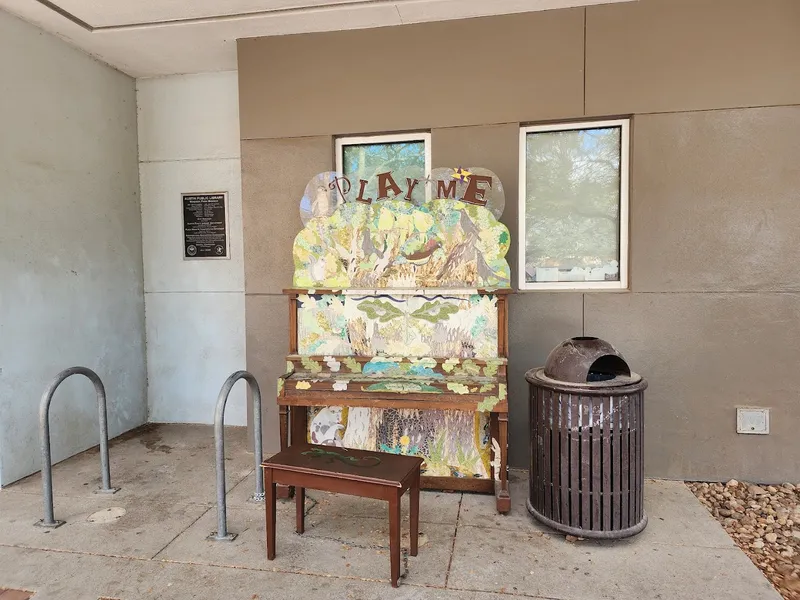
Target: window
{"x": 406, "y": 155}
{"x": 573, "y": 223}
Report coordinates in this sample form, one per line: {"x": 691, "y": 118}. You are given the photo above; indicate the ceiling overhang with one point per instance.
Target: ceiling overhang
{"x": 148, "y": 38}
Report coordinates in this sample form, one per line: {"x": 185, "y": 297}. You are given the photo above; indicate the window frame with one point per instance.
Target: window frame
{"x": 416, "y": 136}
{"x": 624, "y": 222}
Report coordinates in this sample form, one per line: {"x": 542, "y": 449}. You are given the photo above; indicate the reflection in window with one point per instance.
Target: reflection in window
{"x": 406, "y": 156}
{"x": 575, "y": 206}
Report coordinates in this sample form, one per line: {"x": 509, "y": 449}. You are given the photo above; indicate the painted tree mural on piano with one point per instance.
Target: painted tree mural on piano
{"x": 453, "y": 443}
{"x": 397, "y": 244}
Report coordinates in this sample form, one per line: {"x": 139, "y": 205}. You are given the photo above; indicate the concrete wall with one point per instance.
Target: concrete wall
{"x": 70, "y": 246}
{"x": 189, "y": 142}
{"x": 713, "y": 89}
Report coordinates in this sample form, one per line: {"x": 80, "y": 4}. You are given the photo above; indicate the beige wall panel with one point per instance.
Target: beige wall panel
{"x": 473, "y": 71}
{"x": 494, "y": 147}
{"x": 704, "y": 354}
{"x": 274, "y": 176}
{"x": 714, "y": 203}
{"x": 537, "y": 323}
{"x": 673, "y": 55}
{"x": 267, "y": 326}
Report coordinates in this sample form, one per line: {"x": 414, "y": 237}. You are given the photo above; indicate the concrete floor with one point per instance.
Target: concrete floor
{"x": 158, "y": 547}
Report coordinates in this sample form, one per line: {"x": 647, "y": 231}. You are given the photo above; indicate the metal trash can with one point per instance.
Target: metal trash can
{"x": 587, "y": 426}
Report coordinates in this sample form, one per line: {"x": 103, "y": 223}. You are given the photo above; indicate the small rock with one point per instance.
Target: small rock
{"x": 792, "y": 583}
{"x": 572, "y": 539}
{"x": 756, "y": 490}
{"x": 795, "y": 534}
{"x": 772, "y": 489}
{"x": 788, "y": 487}
{"x": 732, "y": 483}
{"x": 758, "y": 544}
{"x": 771, "y": 537}
{"x": 724, "y": 512}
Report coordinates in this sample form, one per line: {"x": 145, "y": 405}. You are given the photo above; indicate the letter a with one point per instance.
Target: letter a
{"x": 386, "y": 183}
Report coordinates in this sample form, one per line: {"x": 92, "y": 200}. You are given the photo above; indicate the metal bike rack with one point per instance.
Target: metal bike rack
{"x": 222, "y": 534}
{"x": 44, "y": 436}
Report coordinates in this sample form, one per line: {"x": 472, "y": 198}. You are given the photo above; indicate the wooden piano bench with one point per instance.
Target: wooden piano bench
{"x": 354, "y": 472}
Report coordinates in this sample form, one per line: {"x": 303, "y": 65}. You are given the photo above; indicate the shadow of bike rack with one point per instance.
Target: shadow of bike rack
{"x": 222, "y": 534}
{"x": 44, "y": 437}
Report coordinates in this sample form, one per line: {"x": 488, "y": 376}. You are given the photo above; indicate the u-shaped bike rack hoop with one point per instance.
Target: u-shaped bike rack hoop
{"x": 44, "y": 437}
{"x": 222, "y": 534}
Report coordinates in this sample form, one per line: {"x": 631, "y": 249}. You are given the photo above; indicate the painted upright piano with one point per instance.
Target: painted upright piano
{"x": 398, "y": 325}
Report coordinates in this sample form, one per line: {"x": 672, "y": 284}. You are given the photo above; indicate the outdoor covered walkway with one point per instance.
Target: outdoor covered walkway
{"x": 149, "y": 539}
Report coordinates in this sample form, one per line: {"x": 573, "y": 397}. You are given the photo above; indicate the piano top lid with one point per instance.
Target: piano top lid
{"x": 402, "y": 291}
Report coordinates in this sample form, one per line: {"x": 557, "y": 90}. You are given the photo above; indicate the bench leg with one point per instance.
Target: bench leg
{"x": 414, "y": 516}
{"x": 269, "y": 506}
{"x": 300, "y": 508}
{"x": 394, "y": 536}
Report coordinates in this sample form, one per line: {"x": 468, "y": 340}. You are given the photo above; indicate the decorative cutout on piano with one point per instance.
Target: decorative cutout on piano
{"x": 452, "y": 239}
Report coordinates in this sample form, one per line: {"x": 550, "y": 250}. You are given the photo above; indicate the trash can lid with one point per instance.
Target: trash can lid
{"x": 588, "y": 360}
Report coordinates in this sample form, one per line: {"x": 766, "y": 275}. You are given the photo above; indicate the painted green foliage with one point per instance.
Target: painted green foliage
{"x": 402, "y": 387}
{"x": 396, "y": 244}
{"x": 352, "y": 364}
{"x": 458, "y": 388}
{"x": 311, "y": 365}
{"x": 380, "y": 310}
{"x": 435, "y": 311}
{"x": 488, "y": 403}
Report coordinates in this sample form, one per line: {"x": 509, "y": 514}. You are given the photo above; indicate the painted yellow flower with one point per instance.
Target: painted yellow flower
{"x": 405, "y": 440}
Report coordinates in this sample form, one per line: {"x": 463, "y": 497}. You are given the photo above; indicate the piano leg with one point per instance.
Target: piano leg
{"x": 283, "y": 412}
{"x": 296, "y": 418}
{"x": 283, "y": 492}
{"x": 502, "y": 495}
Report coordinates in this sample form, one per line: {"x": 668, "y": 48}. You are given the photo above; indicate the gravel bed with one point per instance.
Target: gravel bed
{"x": 764, "y": 521}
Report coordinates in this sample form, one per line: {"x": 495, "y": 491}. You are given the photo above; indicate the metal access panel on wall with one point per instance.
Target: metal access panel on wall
{"x": 205, "y": 225}
{"x": 754, "y": 420}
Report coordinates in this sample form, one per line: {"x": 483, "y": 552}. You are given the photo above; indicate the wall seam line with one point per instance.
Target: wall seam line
{"x": 585, "y": 11}
{"x": 583, "y": 314}
{"x": 168, "y": 160}
{"x": 564, "y": 119}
